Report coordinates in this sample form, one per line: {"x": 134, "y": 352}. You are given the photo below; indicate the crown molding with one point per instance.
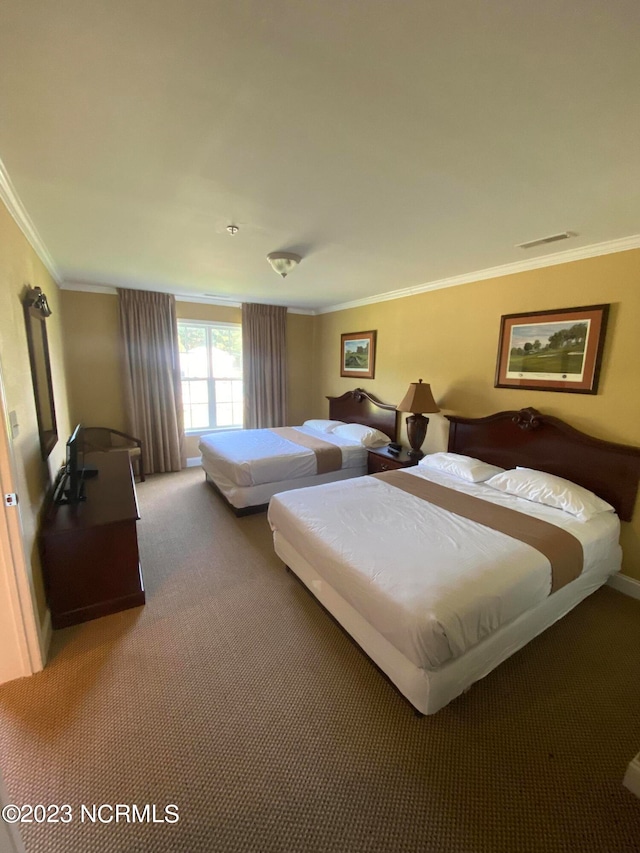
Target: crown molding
{"x": 232, "y": 303}
{"x": 86, "y": 287}
{"x": 208, "y": 300}
{"x": 609, "y": 247}
{"x": 14, "y": 205}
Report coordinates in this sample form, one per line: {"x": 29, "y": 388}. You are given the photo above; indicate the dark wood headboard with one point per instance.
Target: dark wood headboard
{"x": 360, "y": 407}
{"x": 532, "y": 440}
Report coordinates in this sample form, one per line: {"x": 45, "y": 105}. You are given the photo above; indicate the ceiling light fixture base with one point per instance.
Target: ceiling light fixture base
{"x": 283, "y": 262}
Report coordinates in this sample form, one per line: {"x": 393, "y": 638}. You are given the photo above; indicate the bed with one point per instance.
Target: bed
{"x": 248, "y": 467}
{"x": 436, "y": 599}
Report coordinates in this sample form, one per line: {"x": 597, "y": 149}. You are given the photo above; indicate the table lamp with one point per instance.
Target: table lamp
{"x": 417, "y": 400}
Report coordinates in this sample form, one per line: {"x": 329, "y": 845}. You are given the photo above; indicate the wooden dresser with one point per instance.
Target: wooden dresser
{"x": 90, "y": 549}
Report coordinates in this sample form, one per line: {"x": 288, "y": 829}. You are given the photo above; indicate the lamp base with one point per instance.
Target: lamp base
{"x": 416, "y": 433}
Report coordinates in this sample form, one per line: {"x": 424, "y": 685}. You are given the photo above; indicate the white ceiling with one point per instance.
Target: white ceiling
{"x": 389, "y": 142}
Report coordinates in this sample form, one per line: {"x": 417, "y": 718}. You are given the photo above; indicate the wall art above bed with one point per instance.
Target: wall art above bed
{"x": 557, "y": 350}
{"x": 358, "y": 354}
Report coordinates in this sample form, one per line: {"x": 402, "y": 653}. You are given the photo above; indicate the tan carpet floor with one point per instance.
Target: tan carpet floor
{"x": 235, "y": 696}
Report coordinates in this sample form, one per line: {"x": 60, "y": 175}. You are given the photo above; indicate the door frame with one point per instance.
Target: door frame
{"x": 29, "y": 649}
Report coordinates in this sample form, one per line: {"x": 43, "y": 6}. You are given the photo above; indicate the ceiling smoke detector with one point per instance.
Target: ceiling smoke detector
{"x": 232, "y": 229}
{"x": 283, "y": 262}
{"x": 564, "y": 235}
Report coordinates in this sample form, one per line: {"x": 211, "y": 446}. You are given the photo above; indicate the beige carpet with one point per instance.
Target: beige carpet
{"x": 233, "y": 695}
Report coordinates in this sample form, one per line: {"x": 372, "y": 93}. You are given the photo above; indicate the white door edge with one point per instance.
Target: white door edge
{"x": 10, "y": 838}
{"x": 28, "y": 651}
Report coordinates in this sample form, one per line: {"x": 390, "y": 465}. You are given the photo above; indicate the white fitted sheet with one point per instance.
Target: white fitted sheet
{"x": 430, "y": 690}
{"x": 252, "y": 457}
{"x": 245, "y": 496}
{"x": 433, "y": 584}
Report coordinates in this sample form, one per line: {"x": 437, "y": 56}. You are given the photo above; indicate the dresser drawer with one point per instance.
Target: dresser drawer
{"x": 379, "y": 461}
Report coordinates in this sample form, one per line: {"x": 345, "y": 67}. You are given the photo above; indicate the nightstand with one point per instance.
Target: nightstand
{"x": 380, "y": 459}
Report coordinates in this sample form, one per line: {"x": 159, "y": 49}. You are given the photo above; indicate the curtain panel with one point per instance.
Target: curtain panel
{"x": 153, "y": 391}
{"x": 264, "y": 365}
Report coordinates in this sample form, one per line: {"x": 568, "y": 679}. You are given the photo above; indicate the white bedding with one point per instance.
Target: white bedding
{"x": 432, "y": 584}
{"x": 241, "y": 497}
{"x": 252, "y": 457}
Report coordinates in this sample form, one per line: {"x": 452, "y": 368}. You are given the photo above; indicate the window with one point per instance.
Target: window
{"x": 211, "y": 373}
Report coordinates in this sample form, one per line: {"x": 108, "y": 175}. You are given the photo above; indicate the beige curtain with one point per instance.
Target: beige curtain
{"x": 264, "y": 365}
{"x": 153, "y": 392}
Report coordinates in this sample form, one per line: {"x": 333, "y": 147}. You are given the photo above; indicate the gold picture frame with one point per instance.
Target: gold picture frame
{"x": 358, "y": 354}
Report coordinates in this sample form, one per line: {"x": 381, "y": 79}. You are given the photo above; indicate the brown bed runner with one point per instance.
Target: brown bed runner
{"x": 563, "y": 550}
{"x": 328, "y": 456}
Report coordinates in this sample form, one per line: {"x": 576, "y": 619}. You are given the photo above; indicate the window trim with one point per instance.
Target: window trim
{"x": 209, "y": 324}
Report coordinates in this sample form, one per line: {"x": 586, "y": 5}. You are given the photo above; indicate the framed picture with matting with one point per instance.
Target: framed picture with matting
{"x": 358, "y": 354}
{"x": 558, "y": 350}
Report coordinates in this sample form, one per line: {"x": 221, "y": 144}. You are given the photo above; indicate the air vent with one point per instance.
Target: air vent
{"x": 552, "y": 239}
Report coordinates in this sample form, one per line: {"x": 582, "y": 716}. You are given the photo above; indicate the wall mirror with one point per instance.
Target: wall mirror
{"x": 36, "y": 311}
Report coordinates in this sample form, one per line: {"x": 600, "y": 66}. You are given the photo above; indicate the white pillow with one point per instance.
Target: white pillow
{"x": 550, "y": 490}
{"x": 463, "y": 467}
{"x": 321, "y": 425}
{"x": 367, "y": 436}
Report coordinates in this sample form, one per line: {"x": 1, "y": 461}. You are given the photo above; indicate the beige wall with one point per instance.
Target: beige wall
{"x": 94, "y": 367}
{"x": 449, "y": 338}
{"x": 300, "y": 348}
{"x": 93, "y": 359}
{"x": 19, "y": 266}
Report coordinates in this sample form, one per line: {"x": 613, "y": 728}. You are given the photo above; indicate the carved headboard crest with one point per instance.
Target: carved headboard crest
{"x": 527, "y": 418}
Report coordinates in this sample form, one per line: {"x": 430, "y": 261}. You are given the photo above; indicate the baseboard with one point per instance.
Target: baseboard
{"x": 194, "y": 461}
{"x": 623, "y": 583}
{"x": 46, "y": 633}
{"x": 632, "y": 776}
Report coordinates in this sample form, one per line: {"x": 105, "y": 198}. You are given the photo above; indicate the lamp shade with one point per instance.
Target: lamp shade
{"x": 418, "y": 399}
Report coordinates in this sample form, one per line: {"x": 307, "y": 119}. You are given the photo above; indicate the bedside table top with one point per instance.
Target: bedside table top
{"x": 401, "y": 458}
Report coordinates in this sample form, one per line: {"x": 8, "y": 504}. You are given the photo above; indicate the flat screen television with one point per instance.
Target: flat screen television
{"x": 75, "y": 457}
{"x": 70, "y": 485}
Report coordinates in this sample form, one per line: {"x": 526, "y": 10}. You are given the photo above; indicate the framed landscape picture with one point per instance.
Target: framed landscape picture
{"x": 358, "y": 354}
{"x": 552, "y": 350}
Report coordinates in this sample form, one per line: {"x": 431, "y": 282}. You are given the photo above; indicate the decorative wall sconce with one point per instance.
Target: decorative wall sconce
{"x": 36, "y": 300}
